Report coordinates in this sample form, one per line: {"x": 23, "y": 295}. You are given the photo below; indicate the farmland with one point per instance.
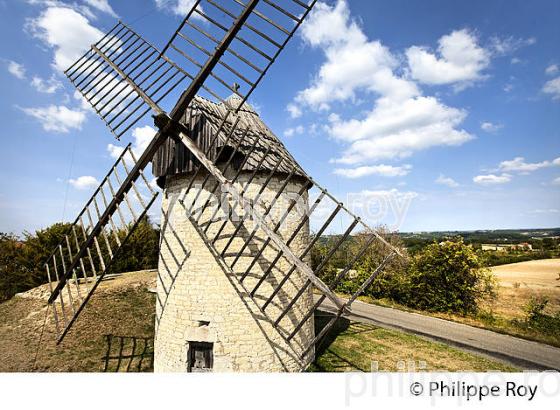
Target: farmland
{"x": 519, "y": 282}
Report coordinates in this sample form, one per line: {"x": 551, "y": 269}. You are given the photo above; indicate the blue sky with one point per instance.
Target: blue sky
{"x": 445, "y": 114}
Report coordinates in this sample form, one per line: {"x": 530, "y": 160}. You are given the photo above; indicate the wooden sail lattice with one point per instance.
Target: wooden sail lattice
{"x": 95, "y": 238}
{"x": 124, "y": 77}
{"x": 240, "y": 243}
{"x": 219, "y": 49}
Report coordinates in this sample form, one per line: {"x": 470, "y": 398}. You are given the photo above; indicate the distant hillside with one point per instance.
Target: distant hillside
{"x": 498, "y": 236}
{"x": 543, "y": 240}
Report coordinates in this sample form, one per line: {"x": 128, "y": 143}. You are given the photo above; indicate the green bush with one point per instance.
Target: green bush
{"x": 534, "y": 308}
{"x": 22, "y": 261}
{"x": 443, "y": 277}
{"x": 389, "y": 281}
{"x": 449, "y": 277}
{"x": 37, "y": 248}
{"x": 537, "y": 320}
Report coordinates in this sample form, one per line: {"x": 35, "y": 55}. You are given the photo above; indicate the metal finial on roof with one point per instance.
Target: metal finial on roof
{"x": 236, "y": 87}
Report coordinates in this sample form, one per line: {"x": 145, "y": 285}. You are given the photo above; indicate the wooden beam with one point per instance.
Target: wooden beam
{"x": 300, "y": 265}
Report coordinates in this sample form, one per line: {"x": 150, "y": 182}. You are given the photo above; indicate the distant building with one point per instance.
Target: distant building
{"x": 507, "y": 247}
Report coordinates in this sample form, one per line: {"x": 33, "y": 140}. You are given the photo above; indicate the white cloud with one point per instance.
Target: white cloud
{"x": 503, "y": 46}
{"x": 294, "y": 110}
{"x": 84, "y": 182}
{"x": 142, "y": 137}
{"x": 57, "y": 118}
{"x": 518, "y": 164}
{"x": 552, "y": 87}
{"x": 516, "y": 60}
{"x": 352, "y": 62}
{"x": 114, "y": 150}
{"x": 552, "y": 69}
{"x": 492, "y": 179}
{"x": 459, "y": 60}
{"x": 491, "y": 127}
{"x": 16, "y": 69}
{"x": 381, "y": 170}
{"x": 508, "y": 87}
{"x": 84, "y": 104}
{"x": 290, "y": 132}
{"x": 447, "y": 181}
{"x": 556, "y": 181}
{"x": 545, "y": 211}
{"x": 178, "y": 7}
{"x": 398, "y": 129}
{"x": 49, "y": 86}
{"x": 102, "y": 5}
{"x": 66, "y": 31}
{"x": 388, "y": 207}
{"x": 401, "y": 121}
{"x": 365, "y": 195}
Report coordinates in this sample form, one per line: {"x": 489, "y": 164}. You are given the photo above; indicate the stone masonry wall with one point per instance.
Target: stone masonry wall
{"x": 199, "y": 300}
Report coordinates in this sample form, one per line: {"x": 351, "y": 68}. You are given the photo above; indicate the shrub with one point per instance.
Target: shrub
{"x": 534, "y": 308}
{"x": 38, "y": 247}
{"x": 448, "y": 277}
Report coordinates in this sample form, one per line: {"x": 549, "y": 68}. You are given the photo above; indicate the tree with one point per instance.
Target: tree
{"x": 141, "y": 251}
{"x": 385, "y": 285}
{"x": 22, "y": 263}
{"x": 37, "y": 248}
{"x": 13, "y": 278}
{"x": 390, "y": 282}
{"x": 449, "y": 277}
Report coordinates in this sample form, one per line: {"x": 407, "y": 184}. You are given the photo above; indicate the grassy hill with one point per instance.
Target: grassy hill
{"x": 121, "y": 306}
{"x": 124, "y": 308}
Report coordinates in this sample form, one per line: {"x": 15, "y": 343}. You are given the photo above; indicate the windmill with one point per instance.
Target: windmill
{"x": 236, "y": 290}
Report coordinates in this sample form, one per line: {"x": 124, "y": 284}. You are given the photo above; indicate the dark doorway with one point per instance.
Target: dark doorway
{"x": 201, "y": 357}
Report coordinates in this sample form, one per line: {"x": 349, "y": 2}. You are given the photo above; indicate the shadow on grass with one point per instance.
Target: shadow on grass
{"x": 128, "y": 354}
{"x": 327, "y": 360}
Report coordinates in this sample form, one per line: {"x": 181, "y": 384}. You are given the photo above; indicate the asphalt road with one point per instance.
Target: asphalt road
{"x": 519, "y": 352}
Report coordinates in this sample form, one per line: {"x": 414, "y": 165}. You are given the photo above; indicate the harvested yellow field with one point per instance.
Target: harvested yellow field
{"x": 542, "y": 273}
{"x": 519, "y": 282}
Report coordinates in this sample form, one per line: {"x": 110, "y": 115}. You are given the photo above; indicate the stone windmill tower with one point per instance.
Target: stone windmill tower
{"x": 240, "y": 218}
{"x": 205, "y": 313}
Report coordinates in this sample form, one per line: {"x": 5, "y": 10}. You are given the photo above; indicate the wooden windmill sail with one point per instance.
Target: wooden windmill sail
{"x": 220, "y": 48}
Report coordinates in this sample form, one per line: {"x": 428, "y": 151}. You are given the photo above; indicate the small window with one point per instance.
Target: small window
{"x": 201, "y": 358}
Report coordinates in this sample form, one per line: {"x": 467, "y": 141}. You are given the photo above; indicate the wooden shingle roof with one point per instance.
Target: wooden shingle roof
{"x": 203, "y": 118}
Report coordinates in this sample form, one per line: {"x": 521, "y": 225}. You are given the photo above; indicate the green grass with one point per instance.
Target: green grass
{"x": 545, "y": 331}
{"x": 364, "y": 347}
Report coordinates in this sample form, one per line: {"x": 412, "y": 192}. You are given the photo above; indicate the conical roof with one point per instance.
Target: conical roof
{"x": 204, "y": 117}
